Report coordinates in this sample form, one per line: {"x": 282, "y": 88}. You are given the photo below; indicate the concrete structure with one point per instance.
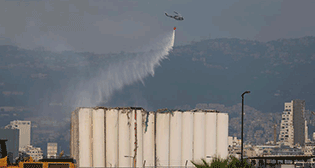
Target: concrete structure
{"x": 52, "y": 150}
{"x": 25, "y": 131}
{"x": 299, "y": 121}
{"x": 126, "y": 137}
{"x": 293, "y": 128}
{"x": 34, "y": 152}
{"x": 12, "y": 144}
{"x": 286, "y": 127}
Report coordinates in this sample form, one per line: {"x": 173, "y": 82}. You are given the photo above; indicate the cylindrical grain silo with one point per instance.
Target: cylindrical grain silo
{"x": 148, "y": 140}
{"x": 211, "y": 138}
{"x": 98, "y": 138}
{"x": 85, "y": 137}
{"x": 132, "y": 138}
{"x": 199, "y": 136}
{"x": 162, "y": 138}
{"x": 187, "y": 138}
{"x": 140, "y": 122}
{"x": 112, "y": 138}
{"x": 222, "y": 135}
{"x": 170, "y": 138}
{"x": 124, "y": 137}
{"x": 176, "y": 138}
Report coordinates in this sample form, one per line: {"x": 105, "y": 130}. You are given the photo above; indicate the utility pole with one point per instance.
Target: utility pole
{"x": 243, "y": 127}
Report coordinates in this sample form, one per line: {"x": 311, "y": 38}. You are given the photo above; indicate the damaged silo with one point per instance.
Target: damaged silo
{"x": 131, "y": 136}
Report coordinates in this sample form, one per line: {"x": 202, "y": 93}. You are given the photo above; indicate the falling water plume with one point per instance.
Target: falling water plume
{"x": 126, "y": 69}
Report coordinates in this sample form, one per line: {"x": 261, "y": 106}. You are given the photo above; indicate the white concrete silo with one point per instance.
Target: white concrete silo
{"x": 109, "y": 136}
{"x": 98, "y": 137}
{"x": 162, "y": 138}
{"x": 124, "y": 138}
{"x": 199, "y": 135}
{"x": 111, "y": 140}
{"x": 211, "y": 135}
{"x": 85, "y": 137}
{"x": 187, "y": 138}
{"x": 148, "y": 139}
{"x": 136, "y": 137}
{"x": 175, "y": 138}
{"x": 222, "y": 135}
{"x": 139, "y": 128}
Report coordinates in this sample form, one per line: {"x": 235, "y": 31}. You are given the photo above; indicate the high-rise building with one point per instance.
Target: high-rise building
{"x": 286, "y": 127}
{"x": 293, "y": 125}
{"x": 51, "y": 150}
{"x": 25, "y": 131}
{"x": 12, "y": 144}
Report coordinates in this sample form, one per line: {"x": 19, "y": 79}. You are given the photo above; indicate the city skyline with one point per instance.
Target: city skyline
{"x": 58, "y": 57}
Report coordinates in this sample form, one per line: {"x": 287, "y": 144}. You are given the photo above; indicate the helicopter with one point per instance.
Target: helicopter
{"x": 177, "y": 16}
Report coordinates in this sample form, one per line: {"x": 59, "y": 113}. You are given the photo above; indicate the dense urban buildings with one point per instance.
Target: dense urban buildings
{"x": 294, "y": 148}
{"x": 18, "y": 134}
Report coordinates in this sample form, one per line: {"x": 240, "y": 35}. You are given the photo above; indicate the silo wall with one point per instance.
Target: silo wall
{"x": 98, "y": 137}
{"x": 187, "y": 138}
{"x": 85, "y": 138}
{"x": 199, "y": 136}
{"x": 139, "y": 121}
{"x": 222, "y": 135}
{"x": 211, "y": 135}
{"x": 122, "y": 137}
{"x": 175, "y": 139}
{"x": 162, "y": 139}
{"x": 112, "y": 140}
{"x": 148, "y": 139}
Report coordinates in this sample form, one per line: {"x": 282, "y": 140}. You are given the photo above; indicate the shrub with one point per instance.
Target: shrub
{"x": 216, "y": 162}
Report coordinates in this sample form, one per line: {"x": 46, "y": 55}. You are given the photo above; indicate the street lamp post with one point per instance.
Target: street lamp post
{"x": 243, "y": 126}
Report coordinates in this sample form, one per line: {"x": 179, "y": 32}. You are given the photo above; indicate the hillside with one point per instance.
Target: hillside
{"x": 38, "y": 85}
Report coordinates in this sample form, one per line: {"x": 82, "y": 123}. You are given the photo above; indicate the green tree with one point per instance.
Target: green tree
{"x": 216, "y": 162}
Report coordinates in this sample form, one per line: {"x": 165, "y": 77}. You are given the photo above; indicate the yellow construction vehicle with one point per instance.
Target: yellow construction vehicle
{"x": 28, "y": 162}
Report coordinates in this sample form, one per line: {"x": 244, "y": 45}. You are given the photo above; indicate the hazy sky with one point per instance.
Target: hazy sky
{"x": 112, "y": 26}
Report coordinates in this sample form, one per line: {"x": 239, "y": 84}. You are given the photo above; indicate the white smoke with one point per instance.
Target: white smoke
{"x": 125, "y": 70}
